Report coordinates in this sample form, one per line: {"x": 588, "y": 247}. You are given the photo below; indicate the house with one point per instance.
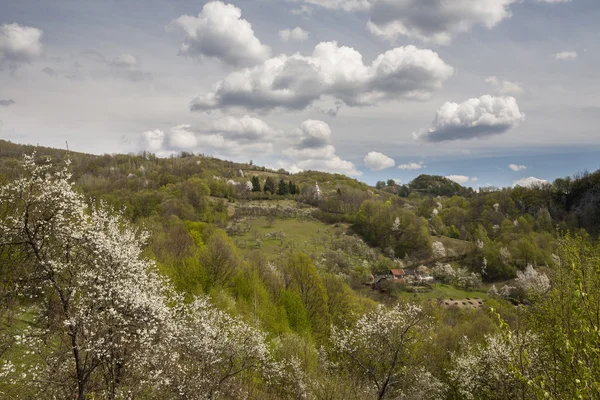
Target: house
{"x": 317, "y": 191}
{"x": 397, "y": 273}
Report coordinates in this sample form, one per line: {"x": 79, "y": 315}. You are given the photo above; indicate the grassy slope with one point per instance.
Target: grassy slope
{"x": 307, "y": 235}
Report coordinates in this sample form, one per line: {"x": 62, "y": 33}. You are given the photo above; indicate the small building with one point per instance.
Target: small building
{"x": 317, "y": 191}
{"x": 397, "y": 274}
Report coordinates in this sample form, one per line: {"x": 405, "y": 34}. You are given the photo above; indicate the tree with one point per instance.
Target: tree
{"x": 566, "y": 319}
{"x": 391, "y": 182}
{"x": 292, "y": 188}
{"x": 498, "y": 369}
{"x": 379, "y": 349}
{"x": 219, "y": 258}
{"x": 269, "y": 185}
{"x": 100, "y": 303}
{"x": 301, "y": 276}
{"x": 283, "y": 188}
{"x": 212, "y": 350}
{"x": 380, "y": 184}
{"x": 255, "y": 183}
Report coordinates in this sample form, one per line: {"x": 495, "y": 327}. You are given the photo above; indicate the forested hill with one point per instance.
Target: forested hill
{"x": 255, "y": 283}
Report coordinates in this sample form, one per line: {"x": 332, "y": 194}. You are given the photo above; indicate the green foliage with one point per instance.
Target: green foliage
{"x": 283, "y": 188}
{"x": 269, "y": 185}
{"x": 255, "y": 184}
{"x": 302, "y": 277}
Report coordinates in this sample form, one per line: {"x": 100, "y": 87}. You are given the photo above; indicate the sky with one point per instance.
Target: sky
{"x": 485, "y": 92}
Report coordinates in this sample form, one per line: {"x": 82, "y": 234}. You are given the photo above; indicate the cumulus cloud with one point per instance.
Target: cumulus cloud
{"x": 246, "y": 128}
{"x": 503, "y": 87}
{"x": 411, "y": 166}
{"x": 530, "y": 182}
{"x": 376, "y": 161}
{"x": 474, "y": 118}
{"x": 152, "y": 140}
{"x": 436, "y": 21}
{"x": 295, "y": 82}
{"x": 228, "y": 136}
{"x": 462, "y": 179}
{"x": 220, "y": 32}
{"x": 566, "y": 55}
{"x": 516, "y": 167}
{"x": 19, "y": 44}
{"x": 314, "y": 151}
{"x": 297, "y": 34}
{"x": 7, "y": 103}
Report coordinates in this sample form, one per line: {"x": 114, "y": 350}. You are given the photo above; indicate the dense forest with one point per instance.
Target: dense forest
{"x": 189, "y": 277}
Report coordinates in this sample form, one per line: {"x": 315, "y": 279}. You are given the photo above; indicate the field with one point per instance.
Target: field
{"x": 308, "y": 236}
{"x": 440, "y": 291}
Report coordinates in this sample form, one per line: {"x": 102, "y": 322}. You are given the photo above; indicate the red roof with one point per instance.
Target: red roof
{"x": 397, "y": 272}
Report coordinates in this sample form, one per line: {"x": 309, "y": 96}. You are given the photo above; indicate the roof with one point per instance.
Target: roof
{"x": 397, "y": 272}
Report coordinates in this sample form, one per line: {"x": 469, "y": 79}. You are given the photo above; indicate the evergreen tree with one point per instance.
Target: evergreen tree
{"x": 269, "y": 185}
{"x": 283, "y": 189}
{"x": 255, "y": 184}
{"x": 292, "y": 188}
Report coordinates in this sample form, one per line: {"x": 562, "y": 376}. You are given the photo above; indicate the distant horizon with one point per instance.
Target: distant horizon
{"x": 370, "y": 89}
{"x": 431, "y": 170}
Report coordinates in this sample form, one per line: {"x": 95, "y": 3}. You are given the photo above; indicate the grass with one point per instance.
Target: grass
{"x": 444, "y": 292}
{"x": 308, "y": 236}
{"x": 456, "y": 246}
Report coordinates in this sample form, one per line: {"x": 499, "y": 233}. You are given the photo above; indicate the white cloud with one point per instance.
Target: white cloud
{"x": 474, "y": 118}
{"x": 19, "y": 44}
{"x": 295, "y": 82}
{"x": 313, "y": 151}
{"x": 503, "y": 87}
{"x": 462, "y": 179}
{"x": 436, "y": 21}
{"x": 181, "y": 137}
{"x": 411, "y": 166}
{"x": 228, "y": 136}
{"x": 297, "y": 34}
{"x": 125, "y": 60}
{"x": 153, "y": 140}
{"x": 566, "y": 55}
{"x": 529, "y": 182}
{"x": 376, "y": 161}
{"x": 220, "y": 32}
{"x": 246, "y": 128}
{"x": 346, "y": 5}
{"x": 516, "y": 167}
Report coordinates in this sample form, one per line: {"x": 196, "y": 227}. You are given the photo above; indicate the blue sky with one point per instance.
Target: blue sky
{"x": 359, "y": 87}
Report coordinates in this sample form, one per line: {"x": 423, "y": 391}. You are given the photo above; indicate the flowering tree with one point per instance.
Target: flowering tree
{"x": 205, "y": 353}
{"x": 379, "y": 347}
{"x": 106, "y": 323}
{"x": 99, "y": 300}
{"x": 498, "y": 369}
{"x": 532, "y": 280}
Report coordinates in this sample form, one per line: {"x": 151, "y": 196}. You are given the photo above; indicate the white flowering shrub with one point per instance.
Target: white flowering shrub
{"x": 496, "y": 369}
{"x": 443, "y": 272}
{"x": 532, "y": 280}
{"x": 438, "y": 249}
{"x": 104, "y": 313}
{"x": 493, "y": 292}
{"x": 379, "y": 349}
{"x": 204, "y": 354}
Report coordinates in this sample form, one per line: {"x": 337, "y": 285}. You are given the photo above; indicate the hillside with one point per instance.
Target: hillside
{"x": 278, "y": 270}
